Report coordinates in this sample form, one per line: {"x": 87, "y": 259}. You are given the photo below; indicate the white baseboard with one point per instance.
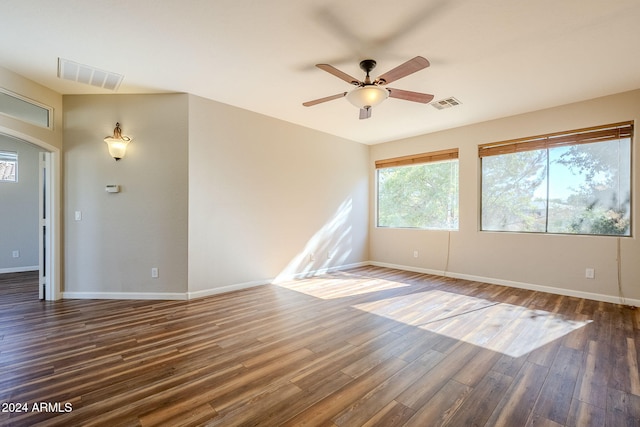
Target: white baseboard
{"x": 520, "y": 285}
{"x": 279, "y": 279}
{"x": 19, "y": 269}
{"x": 125, "y": 295}
{"x": 225, "y": 289}
{"x": 318, "y": 272}
{"x": 239, "y": 286}
{"x": 201, "y": 293}
{"x": 408, "y": 268}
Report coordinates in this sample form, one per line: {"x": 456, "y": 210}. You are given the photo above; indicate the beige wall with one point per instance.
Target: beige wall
{"x": 556, "y": 262}
{"x": 214, "y": 196}
{"x": 251, "y": 198}
{"x": 121, "y": 236}
{"x": 265, "y": 194}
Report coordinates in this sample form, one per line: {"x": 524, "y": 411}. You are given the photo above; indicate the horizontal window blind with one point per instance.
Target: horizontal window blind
{"x": 574, "y": 137}
{"x": 434, "y": 156}
{"x": 8, "y": 156}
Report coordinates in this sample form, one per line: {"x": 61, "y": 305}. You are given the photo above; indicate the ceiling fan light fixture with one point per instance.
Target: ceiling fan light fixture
{"x": 367, "y": 96}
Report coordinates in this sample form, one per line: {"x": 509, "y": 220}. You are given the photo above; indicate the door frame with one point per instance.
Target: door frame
{"x": 44, "y": 223}
{"x": 52, "y": 289}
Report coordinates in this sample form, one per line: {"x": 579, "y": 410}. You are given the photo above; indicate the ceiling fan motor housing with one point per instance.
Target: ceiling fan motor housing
{"x": 367, "y": 65}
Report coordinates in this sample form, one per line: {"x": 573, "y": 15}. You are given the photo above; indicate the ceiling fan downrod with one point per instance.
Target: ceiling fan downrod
{"x": 367, "y": 65}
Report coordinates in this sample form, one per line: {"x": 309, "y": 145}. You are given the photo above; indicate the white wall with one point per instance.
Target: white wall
{"x": 265, "y": 194}
{"x": 553, "y": 262}
{"x": 19, "y": 209}
{"x": 121, "y": 236}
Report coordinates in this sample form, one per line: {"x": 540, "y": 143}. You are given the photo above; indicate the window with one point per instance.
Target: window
{"x": 19, "y": 107}
{"x": 419, "y": 191}
{"x": 8, "y": 166}
{"x": 576, "y": 182}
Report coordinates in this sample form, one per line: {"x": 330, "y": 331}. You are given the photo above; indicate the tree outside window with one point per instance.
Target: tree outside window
{"x": 579, "y": 183}
{"x": 419, "y": 196}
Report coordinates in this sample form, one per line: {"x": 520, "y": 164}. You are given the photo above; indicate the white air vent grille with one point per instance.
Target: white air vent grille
{"x": 446, "y": 103}
{"x": 69, "y": 70}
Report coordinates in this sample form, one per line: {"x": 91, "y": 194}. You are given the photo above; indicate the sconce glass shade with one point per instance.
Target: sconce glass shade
{"x": 367, "y": 96}
{"x": 117, "y": 143}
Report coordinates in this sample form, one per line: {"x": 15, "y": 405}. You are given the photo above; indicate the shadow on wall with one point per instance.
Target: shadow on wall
{"x": 329, "y": 247}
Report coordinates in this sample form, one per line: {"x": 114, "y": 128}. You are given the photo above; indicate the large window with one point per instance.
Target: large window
{"x": 576, "y": 182}
{"x": 419, "y": 191}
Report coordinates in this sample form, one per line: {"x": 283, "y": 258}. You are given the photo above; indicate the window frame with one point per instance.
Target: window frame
{"x": 414, "y": 160}
{"x": 595, "y": 134}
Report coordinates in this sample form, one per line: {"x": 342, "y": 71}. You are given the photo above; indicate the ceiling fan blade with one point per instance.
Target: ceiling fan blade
{"x": 408, "y": 95}
{"x": 325, "y": 99}
{"x": 403, "y": 70}
{"x": 365, "y": 113}
{"x": 339, "y": 74}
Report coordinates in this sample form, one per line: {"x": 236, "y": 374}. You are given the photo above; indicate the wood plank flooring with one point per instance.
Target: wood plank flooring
{"x": 362, "y": 347}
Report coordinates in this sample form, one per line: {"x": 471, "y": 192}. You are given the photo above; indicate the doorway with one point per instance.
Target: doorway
{"x": 31, "y": 226}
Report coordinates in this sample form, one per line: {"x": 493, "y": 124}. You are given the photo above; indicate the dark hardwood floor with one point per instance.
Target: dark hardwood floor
{"x": 363, "y": 347}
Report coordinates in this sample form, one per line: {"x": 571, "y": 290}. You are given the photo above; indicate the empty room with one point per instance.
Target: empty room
{"x": 241, "y": 213}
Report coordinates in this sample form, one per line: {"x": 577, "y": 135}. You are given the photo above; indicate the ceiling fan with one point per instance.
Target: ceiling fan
{"x": 369, "y": 93}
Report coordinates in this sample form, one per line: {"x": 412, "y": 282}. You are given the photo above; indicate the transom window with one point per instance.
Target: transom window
{"x": 576, "y": 182}
{"x": 419, "y": 191}
{"x": 27, "y": 110}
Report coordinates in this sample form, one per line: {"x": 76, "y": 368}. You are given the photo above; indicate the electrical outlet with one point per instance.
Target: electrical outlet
{"x": 15, "y": 254}
{"x": 78, "y": 215}
{"x": 590, "y": 273}
{"x": 154, "y": 273}
{"x": 415, "y": 254}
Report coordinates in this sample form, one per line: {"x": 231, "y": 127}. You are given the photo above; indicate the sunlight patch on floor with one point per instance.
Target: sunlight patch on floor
{"x": 505, "y": 328}
{"x": 340, "y": 287}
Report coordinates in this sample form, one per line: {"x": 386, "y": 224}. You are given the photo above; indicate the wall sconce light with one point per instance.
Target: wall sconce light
{"x": 117, "y": 143}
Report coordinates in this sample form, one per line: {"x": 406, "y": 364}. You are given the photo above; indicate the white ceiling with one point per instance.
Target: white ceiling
{"x": 498, "y": 57}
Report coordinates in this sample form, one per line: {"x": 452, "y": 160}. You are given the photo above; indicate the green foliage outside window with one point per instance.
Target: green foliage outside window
{"x": 419, "y": 196}
{"x": 576, "y": 189}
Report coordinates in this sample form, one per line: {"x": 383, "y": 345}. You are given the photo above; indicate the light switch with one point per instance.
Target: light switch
{"x": 78, "y": 215}
{"x": 590, "y": 273}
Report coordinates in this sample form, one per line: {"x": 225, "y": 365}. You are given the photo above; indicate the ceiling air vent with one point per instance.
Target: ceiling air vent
{"x": 446, "y": 103}
{"x": 69, "y": 70}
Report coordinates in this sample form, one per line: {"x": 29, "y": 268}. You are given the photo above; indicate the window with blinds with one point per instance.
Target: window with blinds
{"x": 575, "y": 182}
{"x": 8, "y": 166}
{"x": 418, "y": 191}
